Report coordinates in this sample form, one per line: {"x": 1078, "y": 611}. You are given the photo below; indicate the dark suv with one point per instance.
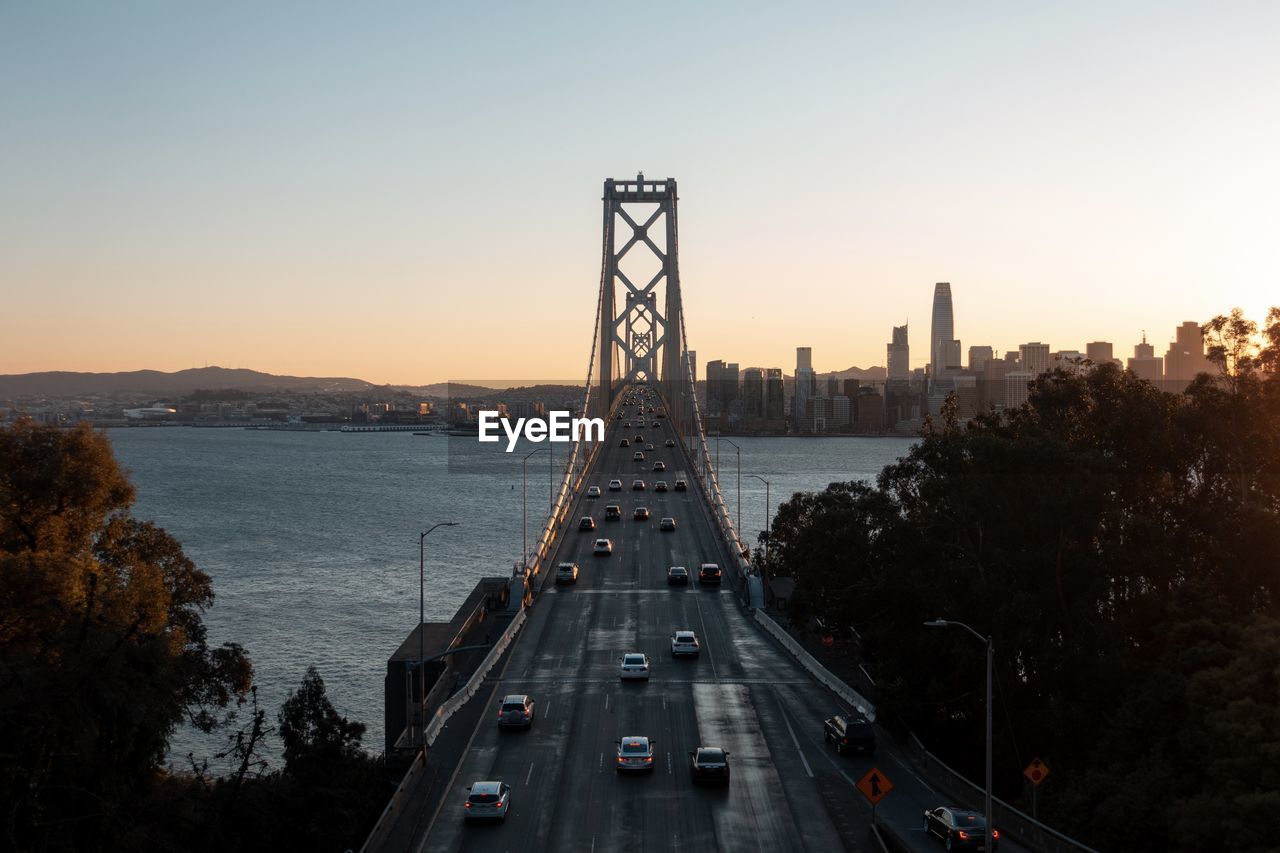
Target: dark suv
{"x": 850, "y": 734}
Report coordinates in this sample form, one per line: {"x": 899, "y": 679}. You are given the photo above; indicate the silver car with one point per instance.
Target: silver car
{"x": 603, "y": 547}
{"x": 636, "y": 753}
{"x": 684, "y": 643}
{"x": 516, "y": 711}
{"x": 487, "y": 801}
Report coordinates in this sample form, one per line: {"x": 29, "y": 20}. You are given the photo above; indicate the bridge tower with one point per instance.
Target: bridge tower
{"x": 641, "y": 335}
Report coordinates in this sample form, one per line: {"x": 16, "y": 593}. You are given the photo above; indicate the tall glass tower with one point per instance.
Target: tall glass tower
{"x": 943, "y": 330}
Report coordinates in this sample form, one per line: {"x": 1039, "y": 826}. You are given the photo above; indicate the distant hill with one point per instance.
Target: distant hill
{"x": 866, "y": 374}
{"x": 61, "y": 383}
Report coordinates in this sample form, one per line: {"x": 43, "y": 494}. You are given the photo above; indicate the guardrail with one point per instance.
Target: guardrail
{"x": 817, "y": 670}
{"x": 1008, "y": 819}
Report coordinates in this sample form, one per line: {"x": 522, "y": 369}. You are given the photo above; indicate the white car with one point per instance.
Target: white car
{"x": 603, "y": 547}
{"x": 638, "y": 456}
{"x": 594, "y": 491}
{"x": 635, "y": 666}
{"x": 487, "y": 801}
{"x": 684, "y": 643}
{"x": 615, "y": 485}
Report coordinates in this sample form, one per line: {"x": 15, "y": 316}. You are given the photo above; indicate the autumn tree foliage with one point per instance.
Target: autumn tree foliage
{"x": 1122, "y": 547}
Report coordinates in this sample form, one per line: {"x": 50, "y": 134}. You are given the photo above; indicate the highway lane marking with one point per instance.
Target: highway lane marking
{"x": 706, "y": 639}
{"x": 528, "y": 775}
{"x": 787, "y": 719}
{"x": 606, "y": 701}
{"x": 669, "y": 763}
{"x": 601, "y": 770}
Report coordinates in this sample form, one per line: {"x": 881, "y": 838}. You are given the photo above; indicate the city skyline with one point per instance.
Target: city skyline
{"x": 190, "y": 187}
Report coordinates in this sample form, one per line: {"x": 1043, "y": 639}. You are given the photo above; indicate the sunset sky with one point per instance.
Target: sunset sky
{"x": 410, "y": 192}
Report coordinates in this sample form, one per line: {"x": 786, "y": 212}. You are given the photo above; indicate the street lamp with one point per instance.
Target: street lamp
{"x": 767, "y": 528}
{"x": 739, "y": 478}
{"x": 946, "y": 623}
{"x": 422, "y": 610}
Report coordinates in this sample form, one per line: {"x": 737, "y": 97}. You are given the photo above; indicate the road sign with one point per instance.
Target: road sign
{"x": 1036, "y": 771}
{"x": 874, "y": 786}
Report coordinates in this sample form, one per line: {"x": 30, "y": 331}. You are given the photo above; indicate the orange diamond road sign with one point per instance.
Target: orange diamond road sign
{"x": 1036, "y": 771}
{"x": 874, "y": 786}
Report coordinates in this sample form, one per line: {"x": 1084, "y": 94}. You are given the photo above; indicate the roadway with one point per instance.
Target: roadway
{"x": 789, "y": 791}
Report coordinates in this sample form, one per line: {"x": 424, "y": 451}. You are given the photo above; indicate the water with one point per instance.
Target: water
{"x": 311, "y": 538}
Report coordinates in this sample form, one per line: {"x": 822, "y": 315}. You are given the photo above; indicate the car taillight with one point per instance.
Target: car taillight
{"x": 648, "y": 758}
{"x": 500, "y": 805}
{"x": 964, "y": 836}
{"x": 995, "y": 833}
{"x": 466, "y": 805}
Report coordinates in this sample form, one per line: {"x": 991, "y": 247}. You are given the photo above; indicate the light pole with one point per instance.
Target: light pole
{"x": 767, "y": 528}
{"x": 739, "y": 477}
{"x": 422, "y": 611}
{"x": 947, "y": 623}
{"x": 524, "y": 505}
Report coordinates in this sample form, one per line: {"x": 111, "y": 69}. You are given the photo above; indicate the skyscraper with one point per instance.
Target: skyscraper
{"x": 899, "y": 354}
{"x": 729, "y": 384}
{"x": 978, "y": 358}
{"x": 715, "y": 380}
{"x": 943, "y": 330}
{"x": 804, "y": 358}
{"x": 753, "y": 393}
{"x": 1145, "y": 364}
{"x": 773, "y": 393}
{"x": 1185, "y": 358}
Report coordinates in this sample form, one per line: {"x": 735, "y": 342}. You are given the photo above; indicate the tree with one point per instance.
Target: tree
{"x": 315, "y": 735}
{"x": 103, "y": 650}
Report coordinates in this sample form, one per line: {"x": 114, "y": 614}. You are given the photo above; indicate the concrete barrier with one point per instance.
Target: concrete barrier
{"x": 377, "y": 836}
{"x": 823, "y": 675}
{"x": 457, "y": 700}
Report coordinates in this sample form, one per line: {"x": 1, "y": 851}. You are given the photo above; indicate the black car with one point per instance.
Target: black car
{"x": 678, "y": 576}
{"x": 850, "y": 734}
{"x": 612, "y": 512}
{"x": 709, "y": 764}
{"x": 960, "y": 829}
{"x": 587, "y": 523}
{"x": 709, "y": 574}
{"x": 682, "y": 486}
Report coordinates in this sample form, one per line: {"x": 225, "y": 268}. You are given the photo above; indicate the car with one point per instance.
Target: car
{"x": 635, "y": 753}
{"x": 671, "y": 442}
{"x": 567, "y": 573}
{"x": 682, "y": 486}
{"x": 593, "y": 491}
{"x": 960, "y": 829}
{"x": 709, "y": 573}
{"x": 677, "y": 576}
{"x": 587, "y": 523}
{"x": 641, "y": 513}
{"x": 634, "y": 667}
{"x": 626, "y": 424}
{"x": 487, "y": 801}
{"x": 516, "y": 711}
{"x": 624, "y": 443}
{"x": 615, "y": 485}
{"x": 639, "y": 438}
{"x": 850, "y": 734}
{"x": 656, "y": 425}
{"x": 684, "y": 643}
{"x": 612, "y": 512}
{"x": 709, "y": 764}
{"x": 637, "y": 485}
{"x": 660, "y": 486}
{"x": 659, "y": 466}
{"x": 667, "y": 523}
{"x": 638, "y": 456}
{"x": 648, "y": 447}
{"x": 602, "y": 548}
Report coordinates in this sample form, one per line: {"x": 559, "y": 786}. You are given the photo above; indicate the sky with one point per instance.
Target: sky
{"x": 410, "y": 192}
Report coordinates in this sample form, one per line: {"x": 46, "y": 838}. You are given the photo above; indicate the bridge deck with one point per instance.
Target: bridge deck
{"x": 788, "y": 791}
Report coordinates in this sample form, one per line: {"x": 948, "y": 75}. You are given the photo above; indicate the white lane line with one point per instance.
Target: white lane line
{"x": 545, "y": 708}
{"x": 787, "y": 719}
{"x": 528, "y": 775}
{"x": 606, "y": 701}
{"x": 601, "y": 769}
{"x": 669, "y": 771}
{"x": 707, "y": 641}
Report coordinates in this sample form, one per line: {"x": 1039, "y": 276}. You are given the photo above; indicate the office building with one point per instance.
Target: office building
{"x": 951, "y": 356}
{"x": 1145, "y": 364}
{"x": 1099, "y": 352}
{"x": 753, "y": 393}
{"x": 774, "y": 397}
{"x": 943, "y": 329}
{"x": 978, "y": 358}
{"x": 715, "y": 377}
{"x": 804, "y": 358}
{"x": 1034, "y": 358}
{"x": 1185, "y": 358}
{"x": 899, "y": 354}
{"x": 1017, "y": 388}
{"x": 729, "y": 384}
{"x": 802, "y": 392}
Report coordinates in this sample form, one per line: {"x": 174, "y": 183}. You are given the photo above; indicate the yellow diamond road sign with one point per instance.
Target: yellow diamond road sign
{"x": 874, "y": 786}
{"x": 1036, "y": 771}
